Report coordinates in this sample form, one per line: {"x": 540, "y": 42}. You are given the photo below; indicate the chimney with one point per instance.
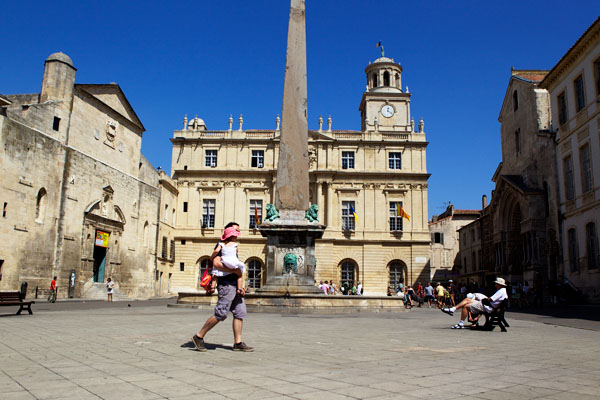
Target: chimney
{"x": 483, "y": 202}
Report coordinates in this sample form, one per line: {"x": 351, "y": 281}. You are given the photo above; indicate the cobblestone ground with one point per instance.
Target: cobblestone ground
{"x": 143, "y": 352}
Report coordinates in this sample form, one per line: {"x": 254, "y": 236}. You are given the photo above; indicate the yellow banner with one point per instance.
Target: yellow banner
{"x": 102, "y": 238}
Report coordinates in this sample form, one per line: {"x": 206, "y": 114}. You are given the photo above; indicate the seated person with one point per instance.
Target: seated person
{"x": 408, "y": 297}
{"x": 474, "y": 318}
{"x": 476, "y": 307}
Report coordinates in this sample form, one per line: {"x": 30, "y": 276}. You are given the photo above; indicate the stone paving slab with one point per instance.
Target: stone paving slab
{"x": 118, "y": 352}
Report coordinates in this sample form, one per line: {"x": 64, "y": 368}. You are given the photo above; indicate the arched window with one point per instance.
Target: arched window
{"x": 146, "y": 234}
{"x": 397, "y": 269}
{"x": 348, "y": 273}
{"x": 375, "y": 80}
{"x": 40, "y": 205}
{"x": 386, "y": 78}
{"x": 254, "y": 273}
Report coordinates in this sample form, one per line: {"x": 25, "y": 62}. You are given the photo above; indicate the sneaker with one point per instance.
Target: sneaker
{"x": 241, "y": 346}
{"x": 447, "y": 311}
{"x": 458, "y": 326}
{"x": 198, "y": 343}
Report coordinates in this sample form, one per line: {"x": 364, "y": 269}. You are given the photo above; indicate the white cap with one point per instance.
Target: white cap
{"x": 470, "y": 296}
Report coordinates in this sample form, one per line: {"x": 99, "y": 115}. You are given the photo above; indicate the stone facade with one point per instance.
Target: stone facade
{"x": 229, "y": 175}
{"x": 72, "y": 169}
{"x": 445, "y": 241}
{"x": 574, "y": 89}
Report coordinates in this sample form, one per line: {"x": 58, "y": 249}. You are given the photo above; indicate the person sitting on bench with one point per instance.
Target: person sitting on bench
{"x": 477, "y": 307}
{"x": 474, "y": 318}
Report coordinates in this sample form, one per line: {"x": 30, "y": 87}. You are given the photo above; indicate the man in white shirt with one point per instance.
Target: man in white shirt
{"x": 476, "y": 307}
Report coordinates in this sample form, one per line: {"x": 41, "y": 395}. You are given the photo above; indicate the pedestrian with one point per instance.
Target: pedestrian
{"x": 359, "y": 289}
{"x": 429, "y": 294}
{"x": 353, "y": 289}
{"x": 228, "y": 250}
{"x": 332, "y": 287}
{"x": 451, "y": 291}
{"x": 110, "y": 288}
{"x": 325, "y": 288}
{"x": 440, "y": 291}
{"x": 52, "y": 292}
{"x": 230, "y": 298}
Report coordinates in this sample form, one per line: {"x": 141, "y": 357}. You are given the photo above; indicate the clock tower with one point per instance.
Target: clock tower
{"x": 384, "y": 106}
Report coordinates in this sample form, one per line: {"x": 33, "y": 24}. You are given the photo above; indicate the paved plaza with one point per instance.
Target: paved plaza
{"x": 112, "y": 351}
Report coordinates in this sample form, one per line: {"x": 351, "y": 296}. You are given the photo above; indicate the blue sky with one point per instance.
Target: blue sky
{"x": 216, "y": 58}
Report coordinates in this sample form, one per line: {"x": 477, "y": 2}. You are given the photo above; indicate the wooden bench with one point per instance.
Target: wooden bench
{"x": 14, "y": 299}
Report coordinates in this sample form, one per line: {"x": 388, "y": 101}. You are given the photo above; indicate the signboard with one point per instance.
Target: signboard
{"x": 420, "y": 259}
{"x": 102, "y": 238}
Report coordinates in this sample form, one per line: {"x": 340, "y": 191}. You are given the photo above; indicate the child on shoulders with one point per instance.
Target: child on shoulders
{"x": 228, "y": 248}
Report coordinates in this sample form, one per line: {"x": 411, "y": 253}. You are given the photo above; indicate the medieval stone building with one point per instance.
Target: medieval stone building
{"x": 78, "y": 198}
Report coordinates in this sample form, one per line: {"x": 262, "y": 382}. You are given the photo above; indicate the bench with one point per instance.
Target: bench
{"x": 14, "y": 299}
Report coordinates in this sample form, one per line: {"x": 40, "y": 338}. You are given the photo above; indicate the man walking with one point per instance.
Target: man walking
{"x": 229, "y": 299}
{"x": 52, "y": 293}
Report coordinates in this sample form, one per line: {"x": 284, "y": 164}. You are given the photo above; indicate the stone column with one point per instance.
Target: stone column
{"x": 291, "y": 194}
{"x": 319, "y": 199}
{"x": 329, "y": 203}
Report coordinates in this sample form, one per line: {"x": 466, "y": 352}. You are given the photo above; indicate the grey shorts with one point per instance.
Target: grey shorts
{"x": 229, "y": 300}
{"x": 476, "y": 307}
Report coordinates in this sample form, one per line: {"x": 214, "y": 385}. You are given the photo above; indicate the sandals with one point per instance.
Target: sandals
{"x": 457, "y": 326}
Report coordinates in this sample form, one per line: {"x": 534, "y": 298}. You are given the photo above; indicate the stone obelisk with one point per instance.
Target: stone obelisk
{"x": 291, "y": 194}
{"x": 290, "y": 261}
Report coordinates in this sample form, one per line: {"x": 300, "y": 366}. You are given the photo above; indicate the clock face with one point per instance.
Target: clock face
{"x": 387, "y": 111}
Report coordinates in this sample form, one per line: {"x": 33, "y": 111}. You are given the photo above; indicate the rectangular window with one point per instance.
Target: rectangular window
{"x": 518, "y": 141}
{"x": 210, "y": 158}
{"x": 183, "y": 242}
{"x": 568, "y": 172}
{"x": 579, "y": 93}
{"x": 56, "y": 123}
{"x": 395, "y": 160}
{"x": 182, "y": 267}
{"x": 395, "y": 219}
{"x": 438, "y": 237}
{"x": 164, "y": 252}
{"x": 586, "y": 168}
{"x": 562, "y": 108}
{"x": 255, "y": 213}
{"x": 208, "y": 213}
{"x": 347, "y": 215}
{"x": 258, "y": 159}
{"x": 185, "y": 204}
{"x": 4, "y": 210}
{"x": 572, "y": 247}
{"x": 592, "y": 245}
{"x": 166, "y": 215}
{"x": 597, "y": 76}
{"x": 172, "y": 255}
{"x": 347, "y": 160}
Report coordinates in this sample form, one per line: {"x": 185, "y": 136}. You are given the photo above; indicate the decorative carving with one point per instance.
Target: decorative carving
{"x": 290, "y": 263}
{"x": 312, "y": 214}
{"x": 320, "y": 123}
{"x": 111, "y": 133}
{"x": 272, "y": 213}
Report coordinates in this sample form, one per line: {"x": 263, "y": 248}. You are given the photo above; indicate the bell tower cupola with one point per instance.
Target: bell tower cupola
{"x": 385, "y": 107}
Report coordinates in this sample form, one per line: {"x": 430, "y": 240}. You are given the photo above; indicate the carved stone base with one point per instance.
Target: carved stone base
{"x": 294, "y": 238}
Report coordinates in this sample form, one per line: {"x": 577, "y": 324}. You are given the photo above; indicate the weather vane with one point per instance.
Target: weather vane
{"x": 381, "y": 46}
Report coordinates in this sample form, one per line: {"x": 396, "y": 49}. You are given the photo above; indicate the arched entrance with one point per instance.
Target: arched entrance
{"x": 348, "y": 272}
{"x": 398, "y": 273}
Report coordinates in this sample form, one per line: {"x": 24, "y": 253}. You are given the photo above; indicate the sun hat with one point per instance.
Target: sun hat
{"x": 231, "y": 231}
{"x": 500, "y": 281}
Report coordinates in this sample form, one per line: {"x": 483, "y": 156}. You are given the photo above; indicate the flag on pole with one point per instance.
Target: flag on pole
{"x": 379, "y": 44}
{"x": 353, "y": 212}
{"x": 401, "y": 213}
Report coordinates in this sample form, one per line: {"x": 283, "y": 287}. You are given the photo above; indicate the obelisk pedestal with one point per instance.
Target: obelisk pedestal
{"x": 291, "y": 261}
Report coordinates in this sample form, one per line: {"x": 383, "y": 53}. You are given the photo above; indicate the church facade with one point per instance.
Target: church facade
{"x": 360, "y": 180}
{"x": 79, "y": 200}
